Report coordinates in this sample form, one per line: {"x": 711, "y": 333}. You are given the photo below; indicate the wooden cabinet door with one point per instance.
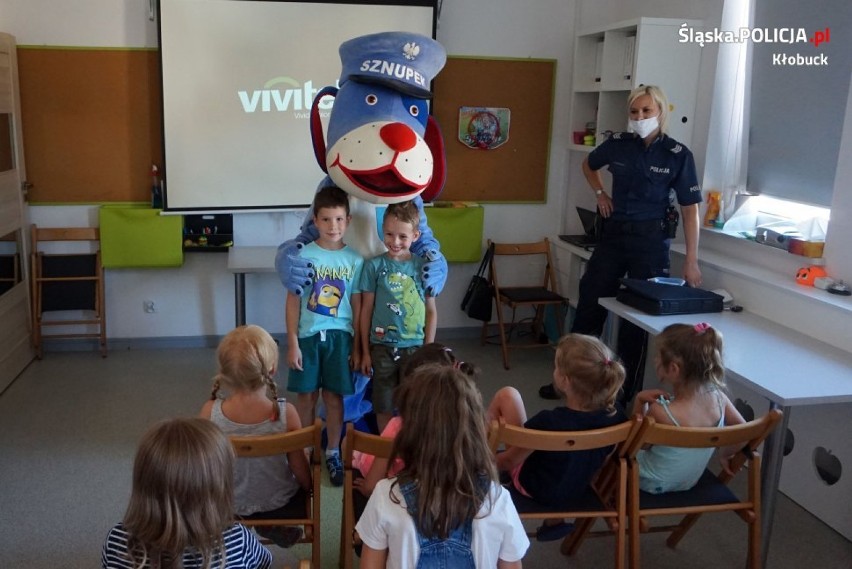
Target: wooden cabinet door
{"x": 15, "y": 345}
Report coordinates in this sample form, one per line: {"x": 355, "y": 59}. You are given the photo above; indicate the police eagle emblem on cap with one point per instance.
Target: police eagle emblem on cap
{"x": 411, "y": 51}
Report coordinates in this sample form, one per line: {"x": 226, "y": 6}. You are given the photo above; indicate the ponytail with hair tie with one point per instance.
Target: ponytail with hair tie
{"x": 702, "y": 327}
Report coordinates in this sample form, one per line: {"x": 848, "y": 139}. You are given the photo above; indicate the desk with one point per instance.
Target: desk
{"x": 786, "y": 367}
{"x": 242, "y": 260}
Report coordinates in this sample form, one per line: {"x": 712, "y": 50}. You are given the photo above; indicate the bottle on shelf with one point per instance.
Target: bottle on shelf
{"x": 714, "y": 206}
{"x": 720, "y": 218}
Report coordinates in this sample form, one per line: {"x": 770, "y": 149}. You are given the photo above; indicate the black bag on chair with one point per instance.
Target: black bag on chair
{"x": 478, "y": 299}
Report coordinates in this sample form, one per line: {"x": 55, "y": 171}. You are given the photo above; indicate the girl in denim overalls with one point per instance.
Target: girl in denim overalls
{"x": 444, "y": 509}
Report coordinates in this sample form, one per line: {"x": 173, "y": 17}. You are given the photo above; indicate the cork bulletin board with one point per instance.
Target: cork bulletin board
{"x": 517, "y": 170}
{"x": 91, "y": 123}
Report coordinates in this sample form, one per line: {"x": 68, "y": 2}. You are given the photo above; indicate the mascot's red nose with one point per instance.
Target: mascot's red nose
{"x": 398, "y": 136}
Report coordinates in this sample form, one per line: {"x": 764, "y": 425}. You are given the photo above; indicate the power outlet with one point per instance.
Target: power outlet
{"x": 149, "y": 307}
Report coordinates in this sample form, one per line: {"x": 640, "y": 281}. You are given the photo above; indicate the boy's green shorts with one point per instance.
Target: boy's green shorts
{"x": 325, "y": 364}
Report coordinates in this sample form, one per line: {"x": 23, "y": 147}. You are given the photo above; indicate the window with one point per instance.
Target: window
{"x": 798, "y": 99}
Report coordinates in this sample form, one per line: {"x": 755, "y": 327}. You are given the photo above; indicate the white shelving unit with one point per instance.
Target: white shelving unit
{"x": 609, "y": 62}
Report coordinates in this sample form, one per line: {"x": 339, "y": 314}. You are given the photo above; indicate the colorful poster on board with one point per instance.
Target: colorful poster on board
{"x": 483, "y": 128}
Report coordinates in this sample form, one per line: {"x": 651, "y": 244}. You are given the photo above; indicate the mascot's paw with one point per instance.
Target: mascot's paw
{"x": 309, "y": 232}
{"x": 295, "y": 272}
{"x": 434, "y": 272}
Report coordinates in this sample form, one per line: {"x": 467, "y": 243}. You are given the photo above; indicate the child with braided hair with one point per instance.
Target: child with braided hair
{"x": 248, "y": 360}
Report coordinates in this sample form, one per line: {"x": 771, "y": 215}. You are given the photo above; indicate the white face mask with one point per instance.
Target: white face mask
{"x": 644, "y": 127}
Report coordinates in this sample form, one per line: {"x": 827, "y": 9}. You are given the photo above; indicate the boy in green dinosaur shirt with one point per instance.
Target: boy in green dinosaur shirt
{"x": 397, "y": 316}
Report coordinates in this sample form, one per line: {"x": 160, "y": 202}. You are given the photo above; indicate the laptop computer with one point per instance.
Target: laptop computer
{"x": 591, "y": 225}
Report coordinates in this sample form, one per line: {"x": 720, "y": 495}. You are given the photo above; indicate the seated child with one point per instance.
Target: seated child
{"x": 180, "y": 512}
{"x": 373, "y": 469}
{"x": 689, "y": 359}
{"x": 445, "y": 507}
{"x": 263, "y": 486}
{"x": 588, "y": 378}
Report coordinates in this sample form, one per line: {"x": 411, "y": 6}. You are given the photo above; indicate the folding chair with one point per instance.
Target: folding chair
{"x": 62, "y": 282}
{"x": 711, "y": 493}
{"x": 536, "y": 296}
{"x": 281, "y": 444}
{"x": 353, "y": 501}
{"x": 606, "y": 497}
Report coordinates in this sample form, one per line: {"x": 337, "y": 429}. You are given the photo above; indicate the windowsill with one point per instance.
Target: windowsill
{"x": 713, "y": 256}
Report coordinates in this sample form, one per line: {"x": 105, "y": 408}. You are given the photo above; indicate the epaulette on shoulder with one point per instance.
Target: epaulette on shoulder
{"x": 624, "y": 135}
{"x": 672, "y": 145}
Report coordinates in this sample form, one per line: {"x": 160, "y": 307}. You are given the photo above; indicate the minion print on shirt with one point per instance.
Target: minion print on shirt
{"x": 325, "y": 296}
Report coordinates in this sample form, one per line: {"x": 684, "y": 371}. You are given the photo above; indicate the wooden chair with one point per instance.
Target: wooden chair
{"x": 281, "y": 444}
{"x": 712, "y": 493}
{"x": 352, "y": 499}
{"x": 607, "y": 496}
{"x": 63, "y": 282}
{"x": 536, "y": 296}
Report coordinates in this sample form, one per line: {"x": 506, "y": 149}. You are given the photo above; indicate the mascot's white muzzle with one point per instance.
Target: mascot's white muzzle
{"x": 381, "y": 159}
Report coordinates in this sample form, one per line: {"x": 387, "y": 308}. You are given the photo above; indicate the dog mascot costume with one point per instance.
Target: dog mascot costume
{"x": 382, "y": 147}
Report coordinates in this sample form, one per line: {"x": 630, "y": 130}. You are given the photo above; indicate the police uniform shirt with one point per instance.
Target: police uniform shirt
{"x": 642, "y": 177}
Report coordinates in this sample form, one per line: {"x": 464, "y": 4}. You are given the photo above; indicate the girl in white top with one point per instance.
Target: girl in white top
{"x": 248, "y": 359}
{"x": 444, "y": 508}
{"x": 689, "y": 360}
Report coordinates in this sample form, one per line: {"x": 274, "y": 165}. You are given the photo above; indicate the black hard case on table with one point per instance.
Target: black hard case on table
{"x": 660, "y": 299}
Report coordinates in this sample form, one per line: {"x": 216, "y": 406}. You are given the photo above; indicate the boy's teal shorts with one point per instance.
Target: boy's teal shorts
{"x": 325, "y": 364}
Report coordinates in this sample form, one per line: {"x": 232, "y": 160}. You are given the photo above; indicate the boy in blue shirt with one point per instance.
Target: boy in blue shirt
{"x": 323, "y": 324}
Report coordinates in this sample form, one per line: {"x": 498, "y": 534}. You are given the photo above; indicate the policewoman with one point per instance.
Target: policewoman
{"x": 639, "y": 220}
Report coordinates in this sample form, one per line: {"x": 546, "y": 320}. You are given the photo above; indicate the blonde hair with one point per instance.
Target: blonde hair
{"x": 697, "y": 349}
{"x": 406, "y": 212}
{"x": 658, "y": 97}
{"x": 444, "y": 447}
{"x": 182, "y": 494}
{"x": 595, "y": 373}
{"x": 248, "y": 357}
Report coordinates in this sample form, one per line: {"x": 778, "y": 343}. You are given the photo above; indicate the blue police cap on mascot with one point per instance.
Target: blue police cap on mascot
{"x": 381, "y": 147}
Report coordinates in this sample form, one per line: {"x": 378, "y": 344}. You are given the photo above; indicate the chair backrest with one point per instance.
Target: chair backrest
{"x": 280, "y": 444}
{"x": 532, "y": 439}
{"x": 366, "y": 443}
{"x": 380, "y": 447}
{"x": 529, "y": 249}
{"x": 750, "y": 435}
{"x": 63, "y": 234}
{"x": 620, "y": 437}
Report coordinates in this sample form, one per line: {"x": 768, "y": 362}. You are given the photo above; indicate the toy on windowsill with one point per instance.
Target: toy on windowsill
{"x": 807, "y": 275}
{"x": 816, "y": 276}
